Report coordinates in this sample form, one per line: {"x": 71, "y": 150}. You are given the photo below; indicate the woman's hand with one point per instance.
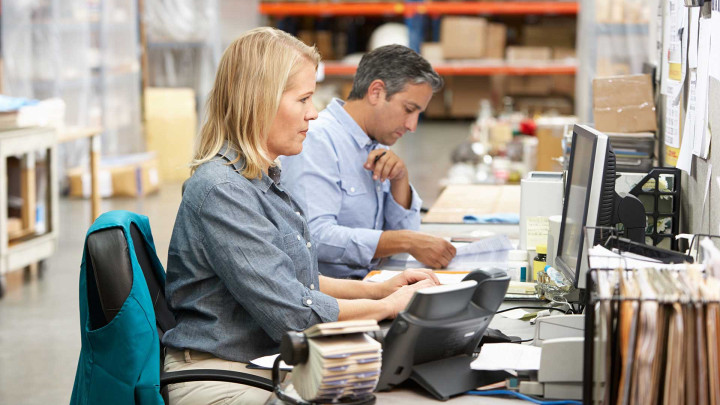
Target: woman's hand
{"x": 399, "y": 300}
{"x": 405, "y": 278}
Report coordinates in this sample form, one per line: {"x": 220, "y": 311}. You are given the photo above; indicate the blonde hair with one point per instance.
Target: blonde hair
{"x": 254, "y": 72}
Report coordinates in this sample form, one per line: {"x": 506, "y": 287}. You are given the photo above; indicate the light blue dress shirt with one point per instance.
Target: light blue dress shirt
{"x": 346, "y": 209}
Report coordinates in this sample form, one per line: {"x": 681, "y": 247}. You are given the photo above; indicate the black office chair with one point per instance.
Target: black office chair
{"x": 110, "y": 272}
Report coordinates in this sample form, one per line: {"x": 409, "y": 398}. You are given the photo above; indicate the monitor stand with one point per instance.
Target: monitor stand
{"x": 453, "y": 376}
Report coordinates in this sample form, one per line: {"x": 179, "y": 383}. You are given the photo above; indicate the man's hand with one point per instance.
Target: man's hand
{"x": 430, "y": 250}
{"x": 387, "y": 167}
{"x": 407, "y": 277}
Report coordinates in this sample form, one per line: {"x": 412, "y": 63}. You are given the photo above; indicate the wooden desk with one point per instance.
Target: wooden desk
{"x": 458, "y": 200}
{"x": 32, "y": 247}
{"x": 93, "y": 134}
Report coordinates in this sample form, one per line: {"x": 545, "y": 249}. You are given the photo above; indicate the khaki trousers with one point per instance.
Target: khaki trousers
{"x": 211, "y": 392}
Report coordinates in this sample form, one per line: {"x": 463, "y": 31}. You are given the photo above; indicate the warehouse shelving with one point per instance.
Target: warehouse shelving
{"x": 470, "y": 69}
{"x": 410, "y": 9}
{"x": 423, "y": 19}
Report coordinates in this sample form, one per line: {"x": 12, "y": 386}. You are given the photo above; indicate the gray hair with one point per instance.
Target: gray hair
{"x": 396, "y": 66}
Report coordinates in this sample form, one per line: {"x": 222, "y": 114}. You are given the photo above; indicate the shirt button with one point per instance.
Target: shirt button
{"x": 298, "y": 213}
{"x": 352, "y": 189}
{"x": 312, "y": 286}
{"x": 309, "y": 302}
{"x": 309, "y": 245}
{"x": 299, "y": 237}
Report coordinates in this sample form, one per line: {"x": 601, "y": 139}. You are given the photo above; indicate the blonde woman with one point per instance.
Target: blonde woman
{"x": 242, "y": 268}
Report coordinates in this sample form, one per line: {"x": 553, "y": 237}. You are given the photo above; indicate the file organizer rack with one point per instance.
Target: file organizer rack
{"x": 590, "y": 396}
{"x": 656, "y": 193}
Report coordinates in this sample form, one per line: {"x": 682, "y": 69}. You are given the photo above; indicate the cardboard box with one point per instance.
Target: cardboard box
{"x": 119, "y": 176}
{"x": 496, "y": 39}
{"x": 549, "y": 133}
{"x": 532, "y": 85}
{"x": 463, "y": 37}
{"x": 563, "y": 85}
{"x": 564, "y": 53}
{"x": 307, "y": 37}
{"x": 170, "y": 126}
{"x": 437, "y": 108}
{"x": 21, "y": 189}
{"x": 560, "y": 34}
{"x": 323, "y": 41}
{"x": 624, "y": 104}
{"x": 432, "y": 51}
{"x": 543, "y": 105}
{"x": 345, "y": 89}
{"x": 529, "y": 54}
{"x": 465, "y": 92}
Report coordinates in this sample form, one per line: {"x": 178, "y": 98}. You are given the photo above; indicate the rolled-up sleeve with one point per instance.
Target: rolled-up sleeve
{"x": 313, "y": 178}
{"x": 247, "y": 253}
{"x": 397, "y": 217}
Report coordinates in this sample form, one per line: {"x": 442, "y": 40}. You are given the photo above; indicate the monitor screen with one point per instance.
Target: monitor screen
{"x": 582, "y": 198}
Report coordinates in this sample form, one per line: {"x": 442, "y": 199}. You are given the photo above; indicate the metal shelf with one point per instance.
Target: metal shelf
{"x": 410, "y": 9}
{"x": 471, "y": 69}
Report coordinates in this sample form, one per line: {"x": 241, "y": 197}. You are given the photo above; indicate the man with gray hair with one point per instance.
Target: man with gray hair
{"x": 355, "y": 191}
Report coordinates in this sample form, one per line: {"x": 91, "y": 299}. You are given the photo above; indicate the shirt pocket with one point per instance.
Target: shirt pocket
{"x": 299, "y": 251}
{"x": 352, "y": 187}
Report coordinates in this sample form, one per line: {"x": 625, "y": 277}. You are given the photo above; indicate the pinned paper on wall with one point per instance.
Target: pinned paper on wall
{"x": 715, "y": 45}
{"x": 701, "y": 87}
{"x": 685, "y": 155}
{"x": 672, "y": 121}
{"x": 694, "y": 26}
{"x": 672, "y": 47}
{"x": 676, "y": 49}
{"x": 705, "y": 198}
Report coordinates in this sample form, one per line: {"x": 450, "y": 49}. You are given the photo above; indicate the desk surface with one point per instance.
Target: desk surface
{"x": 458, "y": 200}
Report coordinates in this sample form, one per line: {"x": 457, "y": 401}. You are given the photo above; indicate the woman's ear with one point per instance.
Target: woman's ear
{"x": 376, "y": 91}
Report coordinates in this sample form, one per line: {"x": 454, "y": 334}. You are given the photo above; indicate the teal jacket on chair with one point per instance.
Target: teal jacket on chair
{"x": 120, "y": 362}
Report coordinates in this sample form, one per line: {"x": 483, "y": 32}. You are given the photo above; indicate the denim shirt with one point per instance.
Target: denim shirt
{"x": 242, "y": 268}
{"x": 347, "y": 209}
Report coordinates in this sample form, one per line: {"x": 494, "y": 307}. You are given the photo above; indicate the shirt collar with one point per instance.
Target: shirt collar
{"x": 361, "y": 138}
{"x": 265, "y": 182}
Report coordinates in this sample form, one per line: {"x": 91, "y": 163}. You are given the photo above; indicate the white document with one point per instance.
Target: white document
{"x": 444, "y": 278}
{"x": 714, "y": 45}
{"x": 507, "y": 356}
{"x": 268, "y": 361}
{"x": 468, "y": 256}
{"x": 685, "y": 156}
{"x": 493, "y": 244}
{"x": 701, "y": 87}
{"x": 514, "y": 314}
{"x": 671, "y": 51}
{"x": 672, "y": 118}
{"x": 693, "y": 40}
{"x": 537, "y": 229}
{"x": 602, "y": 258}
{"x": 707, "y": 192}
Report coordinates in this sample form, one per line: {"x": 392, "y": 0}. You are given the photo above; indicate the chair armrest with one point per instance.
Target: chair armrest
{"x": 237, "y": 377}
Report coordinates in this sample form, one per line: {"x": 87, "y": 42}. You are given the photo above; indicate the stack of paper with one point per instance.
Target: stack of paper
{"x": 485, "y": 252}
{"x": 338, "y": 366}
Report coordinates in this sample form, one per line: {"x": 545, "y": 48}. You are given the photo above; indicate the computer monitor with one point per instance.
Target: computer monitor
{"x": 433, "y": 340}
{"x": 590, "y": 200}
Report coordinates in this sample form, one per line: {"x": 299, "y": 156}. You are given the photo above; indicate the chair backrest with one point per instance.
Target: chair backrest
{"x": 110, "y": 272}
